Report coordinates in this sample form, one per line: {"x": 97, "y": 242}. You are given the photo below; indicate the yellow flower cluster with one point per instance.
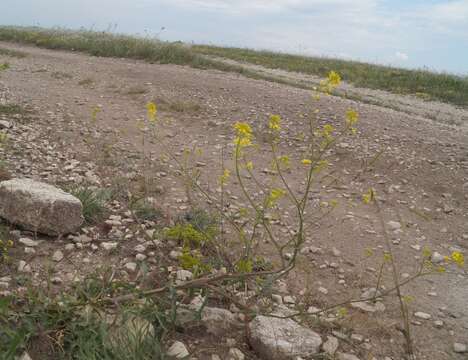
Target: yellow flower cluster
{"x": 244, "y": 134}
{"x": 274, "y": 196}
{"x": 152, "y": 110}
{"x": 275, "y": 122}
{"x": 458, "y": 258}
{"x": 332, "y": 81}
{"x": 369, "y": 196}
{"x": 223, "y": 179}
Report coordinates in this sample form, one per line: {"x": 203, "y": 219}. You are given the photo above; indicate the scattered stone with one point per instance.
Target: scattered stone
{"x": 422, "y": 315}
{"x": 357, "y": 337}
{"x": 109, "y": 245}
{"x": 437, "y": 258}
{"x": 342, "y": 356}
{"x": 331, "y": 345}
{"x": 40, "y": 207}
{"x": 29, "y": 242}
{"x": 367, "y": 307}
{"x": 460, "y": 348}
{"x": 24, "y": 267}
{"x": 25, "y": 356}
{"x": 282, "y": 339}
{"x": 235, "y": 354}
{"x": 323, "y": 290}
{"x": 131, "y": 266}
{"x": 438, "y": 323}
{"x": 178, "y": 350}
{"x": 183, "y": 275}
{"x": 216, "y": 320}
{"x": 58, "y": 256}
{"x": 394, "y": 225}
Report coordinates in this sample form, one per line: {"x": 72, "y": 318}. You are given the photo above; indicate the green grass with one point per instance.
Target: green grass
{"x": 422, "y": 83}
{"x": 11, "y": 109}
{"x": 77, "y": 323}
{"x": 105, "y": 44}
{"x": 12, "y": 53}
{"x": 93, "y": 201}
{"x": 425, "y": 84}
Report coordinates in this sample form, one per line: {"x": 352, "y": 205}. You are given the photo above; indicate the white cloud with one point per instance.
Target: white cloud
{"x": 450, "y": 11}
{"x": 266, "y": 6}
{"x": 401, "y": 56}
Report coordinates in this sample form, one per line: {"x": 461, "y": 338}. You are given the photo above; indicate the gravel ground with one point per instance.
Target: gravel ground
{"x": 421, "y": 176}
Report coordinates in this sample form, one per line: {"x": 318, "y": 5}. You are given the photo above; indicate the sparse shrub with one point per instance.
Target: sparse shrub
{"x": 144, "y": 210}
{"x": 93, "y": 200}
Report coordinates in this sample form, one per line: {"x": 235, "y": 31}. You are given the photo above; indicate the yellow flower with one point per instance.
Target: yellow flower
{"x": 275, "y": 121}
{"x": 242, "y": 142}
{"x": 277, "y": 193}
{"x": 306, "y": 161}
{"x": 249, "y": 165}
{"x": 458, "y": 258}
{"x": 322, "y": 164}
{"x": 334, "y": 79}
{"x": 369, "y": 196}
{"x": 243, "y": 129}
{"x": 274, "y": 196}
{"x": 152, "y": 111}
{"x": 387, "y": 257}
{"x": 225, "y": 177}
{"x": 328, "y": 129}
{"x": 441, "y": 269}
{"x": 244, "y": 134}
{"x": 352, "y": 117}
{"x": 94, "y": 113}
{"x": 284, "y": 159}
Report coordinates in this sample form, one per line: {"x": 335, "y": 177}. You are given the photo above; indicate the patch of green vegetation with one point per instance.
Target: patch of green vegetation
{"x": 76, "y": 323}
{"x": 183, "y": 106}
{"x": 137, "y": 90}
{"x": 12, "y": 53}
{"x": 86, "y": 82}
{"x": 145, "y": 211}
{"x": 93, "y": 201}
{"x": 4, "y": 66}
{"x": 436, "y": 86}
{"x": 11, "y": 109}
{"x": 104, "y": 44}
{"x": 60, "y": 75}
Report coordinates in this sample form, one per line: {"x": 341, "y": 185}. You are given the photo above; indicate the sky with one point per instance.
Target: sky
{"x": 429, "y": 34}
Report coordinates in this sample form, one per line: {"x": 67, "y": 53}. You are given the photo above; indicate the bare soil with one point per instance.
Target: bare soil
{"x": 421, "y": 176}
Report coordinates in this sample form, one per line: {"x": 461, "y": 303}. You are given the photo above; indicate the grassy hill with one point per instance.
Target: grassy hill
{"x": 422, "y": 83}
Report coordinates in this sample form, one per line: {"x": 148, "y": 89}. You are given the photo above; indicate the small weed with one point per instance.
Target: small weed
{"x": 184, "y": 107}
{"x": 4, "y": 66}
{"x": 187, "y": 235}
{"x": 75, "y": 323}
{"x": 93, "y": 201}
{"x": 4, "y": 172}
{"x": 59, "y": 75}
{"x": 86, "y": 82}
{"x": 145, "y": 211}
{"x": 137, "y": 90}
{"x": 12, "y": 53}
{"x": 11, "y": 109}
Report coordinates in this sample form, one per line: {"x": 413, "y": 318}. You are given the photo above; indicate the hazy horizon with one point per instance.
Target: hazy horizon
{"x": 414, "y": 34}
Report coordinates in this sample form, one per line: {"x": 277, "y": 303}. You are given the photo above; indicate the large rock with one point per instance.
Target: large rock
{"x": 40, "y": 207}
{"x": 282, "y": 339}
